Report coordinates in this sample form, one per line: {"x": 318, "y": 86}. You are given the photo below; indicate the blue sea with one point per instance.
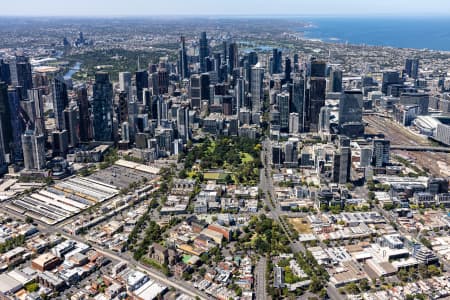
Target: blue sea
{"x": 414, "y": 32}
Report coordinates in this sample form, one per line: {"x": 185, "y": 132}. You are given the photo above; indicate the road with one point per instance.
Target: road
{"x": 260, "y": 280}
{"x": 172, "y": 282}
{"x": 266, "y": 185}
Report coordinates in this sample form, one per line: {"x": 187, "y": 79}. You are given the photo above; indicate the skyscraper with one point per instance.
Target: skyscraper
{"x": 275, "y": 67}
{"x": 317, "y": 86}
{"x": 350, "y": 107}
{"x": 381, "y": 152}
{"x": 16, "y": 123}
{"x": 233, "y": 57}
{"x": 342, "y": 161}
{"x": 287, "y": 69}
{"x": 294, "y": 123}
{"x": 283, "y": 105}
{"x": 324, "y": 120}
{"x": 316, "y": 95}
{"x": 203, "y": 52}
{"x": 195, "y": 90}
{"x": 5, "y": 119}
{"x": 389, "y": 78}
{"x": 412, "y": 67}
{"x": 350, "y": 114}
{"x": 183, "y": 123}
{"x": 239, "y": 92}
{"x": 298, "y": 98}
{"x": 85, "y": 115}
{"x": 60, "y": 100}
{"x": 257, "y": 77}
{"x": 21, "y": 76}
{"x": 36, "y": 95}
{"x": 183, "y": 61}
{"x": 335, "y": 81}
{"x": 72, "y": 123}
{"x": 5, "y": 74}
{"x": 125, "y": 82}
{"x": 102, "y": 108}
{"x": 33, "y": 146}
{"x": 141, "y": 83}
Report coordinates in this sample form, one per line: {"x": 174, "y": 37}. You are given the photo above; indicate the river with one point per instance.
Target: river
{"x": 74, "y": 69}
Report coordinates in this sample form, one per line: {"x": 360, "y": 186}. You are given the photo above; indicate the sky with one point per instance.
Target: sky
{"x": 224, "y": 7}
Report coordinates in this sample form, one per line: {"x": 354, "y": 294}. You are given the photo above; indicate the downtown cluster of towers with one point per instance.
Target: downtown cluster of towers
{"x": 156, "y": 109}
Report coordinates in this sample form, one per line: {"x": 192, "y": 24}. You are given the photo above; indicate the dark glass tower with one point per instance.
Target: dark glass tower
{"x": 141, "y": 84}
{"x": 203, "y": 51}
{"x": 60, "y": 100}
{"x": 183, "y": 62}
{"x": 102, "y": 108}
{"x": 21, "y": 76}
{"x": 85, "y": 117}
{"x": 233, "y": 57}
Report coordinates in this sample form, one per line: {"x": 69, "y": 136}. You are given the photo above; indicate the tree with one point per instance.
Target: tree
{"x": 364, "y": 285}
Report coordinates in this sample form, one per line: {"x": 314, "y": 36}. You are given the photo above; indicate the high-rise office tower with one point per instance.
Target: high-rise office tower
{"x": 239, "y": 92}
{"x": 342, "y": 161}
{"x": 275, "y": 67}
{"x": 335, "y": 81}
{"x": 5, "y": 74}
{"x": 72, "y": 123}
{"x": 317, "y": 68}
{"x": 85, "y": 114}
{"x": 283, "y": 106}
{"x": 350, "y": 114}
{"x": 5, "y": 119}
{"x": 287, "y": 69}
{"x": 60, "y": 100}
{"x": 233, "y": 57}
{"x": 2, "y": 151}
{"x": 195, "y": 90}
{"x": 203, "y": 51}
{"x": 183, "y": 123}
{"x": 163, "y": 81}
{"x": 389, "y": 78}
{"x": 412, "y": 67}
{"x": 14, "y": 97}
{"x": 125, "y": 130}
{"x": 298, "y": 97}
{"x": 141, "y": 83}
{"x": 316, "y": 95}
{"x": 291, "y": 153}
{"x": 183, "y": 60}
{"x": 351, "y": 107}
{"x": 381, "y": 152}
{"x": 420, "y": 99}
{"x": 36, "y": 95}
{"x": 60, "y": 142}
{"x": 294, "y": 123}
{"x": 21, "y": 75}
{"x": 33, "y": 146}
{"x": 204, "y": 84}
{"x": 125, "y": 82}
{"x": 28, "y": 115}
{"x": 324, "y": 120}
{"x": 122, "y": 108}
{"x": 102, "y": 108}
{"x": 257, "y": 93}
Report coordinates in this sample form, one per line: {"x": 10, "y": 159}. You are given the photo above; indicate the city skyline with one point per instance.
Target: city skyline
{"x": 103, "y": 8}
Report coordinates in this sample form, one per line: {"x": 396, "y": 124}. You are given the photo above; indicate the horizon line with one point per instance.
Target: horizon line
{"x": 231, "y": 15}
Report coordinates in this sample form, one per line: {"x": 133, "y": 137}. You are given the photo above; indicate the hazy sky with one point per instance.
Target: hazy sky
{"x": 224, "y": 7}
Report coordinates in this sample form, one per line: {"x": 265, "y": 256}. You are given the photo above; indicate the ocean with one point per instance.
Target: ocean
{"x": 414, "y": 32}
